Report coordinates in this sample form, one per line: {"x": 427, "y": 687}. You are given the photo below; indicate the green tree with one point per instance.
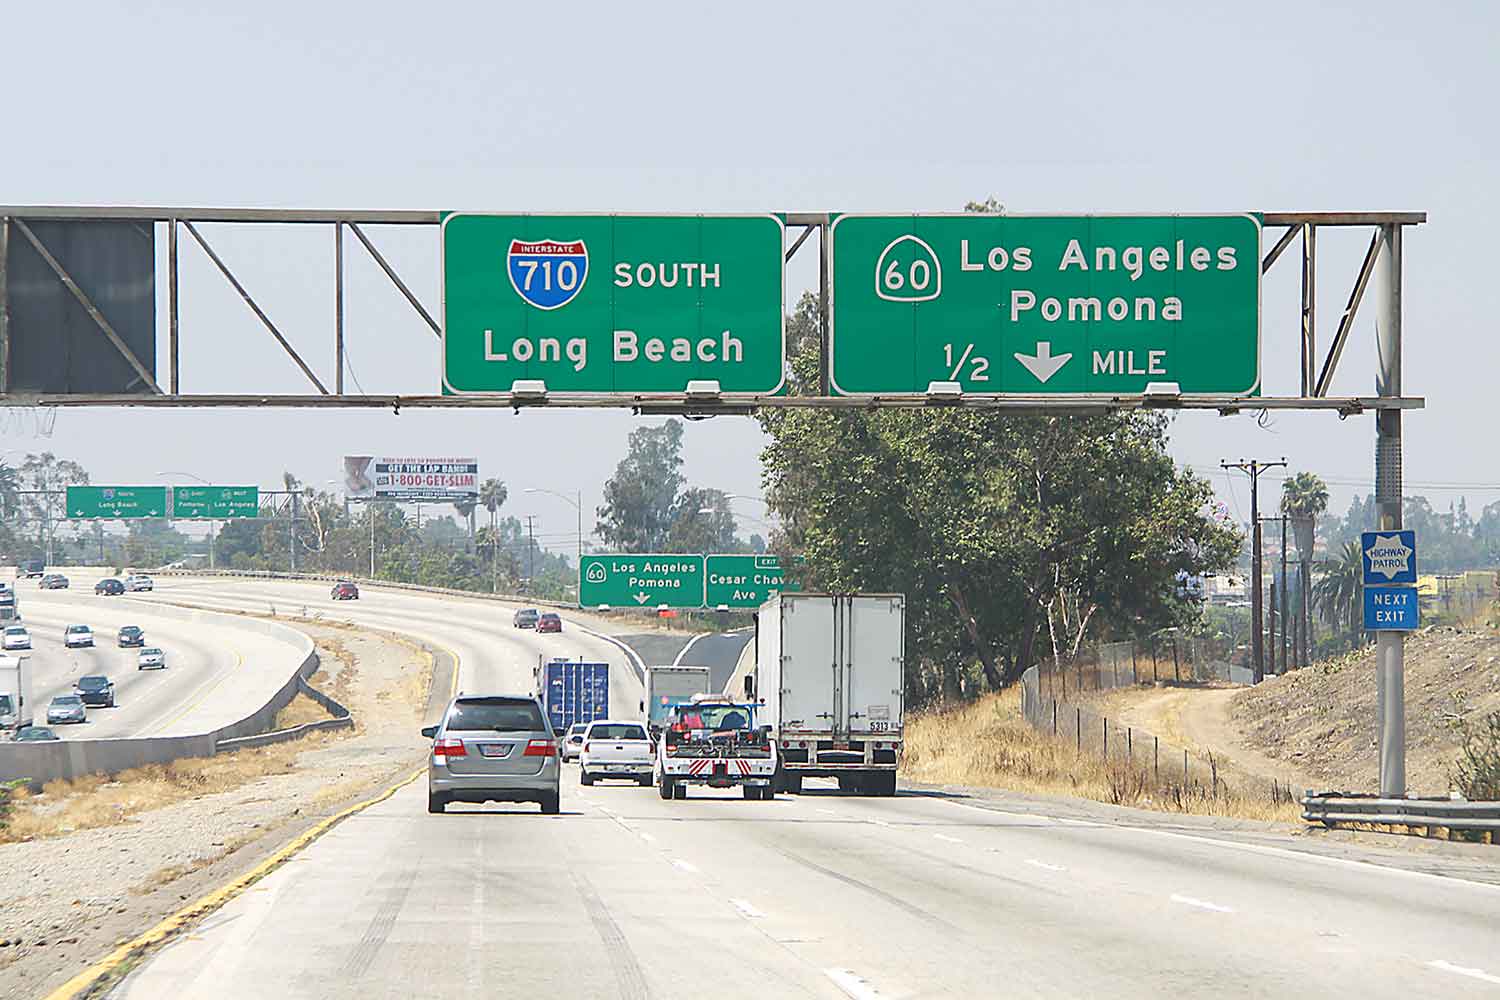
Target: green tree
{"x": 1339, "y": 592}
{"x": 640, "y": 499}
{"x": 703, "y": 522}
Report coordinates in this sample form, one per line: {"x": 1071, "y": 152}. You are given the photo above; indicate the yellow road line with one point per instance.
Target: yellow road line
{"x": 239, "y": 661}
{"x": 80, "y": 983}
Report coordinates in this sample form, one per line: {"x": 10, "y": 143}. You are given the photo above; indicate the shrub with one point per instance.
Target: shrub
{"x": 1477, "y": 771}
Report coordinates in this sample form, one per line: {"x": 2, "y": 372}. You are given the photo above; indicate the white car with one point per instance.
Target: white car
{"x": 16, "y": 637}
{"x": 151, "y": 658}
{"x": 616, "y": 750}
{"x": 138, "y": 581}
{"x": 78, "y": 635}
{"x": 572, "y": 744}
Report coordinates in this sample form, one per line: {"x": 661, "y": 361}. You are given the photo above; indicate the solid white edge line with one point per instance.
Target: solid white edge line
{"x": 1201, "y": 904}
{"x": 646, "y": 837}
{"x": 745, "y": 907}
{"x": 944, "y": 836}
{"x": 1461, "y": 970}
{"x": 1042, "y": 864}
{"x": 684, "y": 866}
{"x": 634, "y": 657}
{"x": 851, "y": 984}
{"x": 677, "y": 660}
{"x": 1284, "y": 852}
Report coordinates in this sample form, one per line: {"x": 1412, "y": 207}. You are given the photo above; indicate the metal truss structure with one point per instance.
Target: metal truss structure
{"x": 1315, "y": 377}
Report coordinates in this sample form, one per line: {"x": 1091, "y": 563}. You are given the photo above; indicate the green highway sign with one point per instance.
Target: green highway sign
{"x": 612, "y": 303}
{"x": 217, "y": 503}
{"x": 640, "y": 581}
{"x": 1026, "y": 305}
{"x": 116, "y": 501}
{"x": 743, "y": 581}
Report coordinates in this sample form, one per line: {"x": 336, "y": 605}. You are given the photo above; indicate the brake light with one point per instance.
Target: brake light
{"x": 588, "y": 747}
{"x": 541, "y": 748}
{"x": 449, "y": 748}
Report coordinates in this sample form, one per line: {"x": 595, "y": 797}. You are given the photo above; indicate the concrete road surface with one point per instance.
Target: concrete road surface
{"x": 719, "y": 651}
{"x": 819, "y": 895}
{"x": 217, "y": 672}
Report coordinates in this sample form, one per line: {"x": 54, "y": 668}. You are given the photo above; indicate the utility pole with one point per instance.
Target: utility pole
{"x": 1257, "y": 635}
{"x": 1286, "y": 603}
{"x": 530, "y": 554}
{"x": 291, "y": 539}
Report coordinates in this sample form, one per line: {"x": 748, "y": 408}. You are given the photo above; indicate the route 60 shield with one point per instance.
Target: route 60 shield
{"x": 547, "y": 274}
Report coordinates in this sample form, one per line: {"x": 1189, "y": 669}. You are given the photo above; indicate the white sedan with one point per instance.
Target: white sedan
{"x": 151, "y": 658}
{"x": 616, "y": 750}
{"x": 16, "y": 637}
{"x": 78, "y": 635}
{"x": 138, "y": 581}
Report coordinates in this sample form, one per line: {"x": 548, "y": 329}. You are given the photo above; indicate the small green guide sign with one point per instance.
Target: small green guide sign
{"x": 116, "y": 501}
{"x": 612, "y": 303}
{"x": 743, "y": 581}
{"x": 219, "y": 503}
{"x": 1046, "y": 304}
{"x": 640, "y": 581}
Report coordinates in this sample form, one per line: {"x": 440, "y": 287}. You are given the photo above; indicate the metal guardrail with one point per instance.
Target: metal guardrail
{"x": 1452, "y": 814}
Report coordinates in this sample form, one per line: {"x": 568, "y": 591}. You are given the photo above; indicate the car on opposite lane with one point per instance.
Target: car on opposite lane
{"x": 109, "y": 587}
{"x": 345, "y": 590}
{"x": 96, "y": 689}
{"x": 573, "y": 741}
{"x": 549, "y": 621}
{"x": 34, "y": 734}
{"x": 525, "y": 618}
{"x": 29, "y": 568}
{"x": 66, "y": 708}
{"x": 138, "y": 581}
{"x": 54, "y": 581}
{"x": 131, "y": 635}
{"x": 15, "y": 637}
{"x": 151, "y": 658}
{"x": 614, "y": 749}
{"x": 493, "y": 748}
{"x": 78, "y": 635}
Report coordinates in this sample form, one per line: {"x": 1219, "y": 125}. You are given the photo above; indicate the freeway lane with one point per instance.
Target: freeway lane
{"x": 626, "y": 895}
{"x": 201, "y": 688}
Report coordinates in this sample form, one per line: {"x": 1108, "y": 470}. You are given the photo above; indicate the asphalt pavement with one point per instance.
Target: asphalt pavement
{"x": 818, "y": 895}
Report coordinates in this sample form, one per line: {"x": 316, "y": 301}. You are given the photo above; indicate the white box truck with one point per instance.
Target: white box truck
{"x": 15, "y": 693}
{"x": 830, "y": 670}
{"x": 669, "y": 686}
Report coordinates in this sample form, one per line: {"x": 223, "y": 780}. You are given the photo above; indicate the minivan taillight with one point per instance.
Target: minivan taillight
{"x": 449, "y": 748}
{"x": 587, "y": 747}
{"x": 540, "y": 748}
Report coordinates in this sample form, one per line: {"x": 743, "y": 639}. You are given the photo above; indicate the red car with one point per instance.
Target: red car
{"x": 549, "y": 622}
{"x": 345, "y": 591}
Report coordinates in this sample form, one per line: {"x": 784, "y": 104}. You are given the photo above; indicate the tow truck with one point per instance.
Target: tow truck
{"x": 715, "y": 741}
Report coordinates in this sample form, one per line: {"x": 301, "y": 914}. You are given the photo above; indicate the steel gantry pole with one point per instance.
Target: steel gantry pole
{"x": 1390, "y": 647}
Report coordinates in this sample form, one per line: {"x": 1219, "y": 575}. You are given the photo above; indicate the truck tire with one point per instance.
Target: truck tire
{"x": 881, "y": 783}
{"x": 664, "y": 787}
{"x": 850, "y": 783}
{"x": 752, "y": 793}
{"x": 645, "y": 780}
{"x": 768, "y": 793}
{"x": 793, "y": 784}
{"x": 679, "y": 791}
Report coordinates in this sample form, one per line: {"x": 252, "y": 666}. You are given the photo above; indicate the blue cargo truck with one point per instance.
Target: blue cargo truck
{"x": 573, "y": 691}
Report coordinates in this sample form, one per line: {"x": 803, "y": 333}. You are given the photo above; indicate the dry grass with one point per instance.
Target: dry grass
{"x": 301, "y": 709}
{"x": 96, "y": 801}
{"x": 987, "y": 743}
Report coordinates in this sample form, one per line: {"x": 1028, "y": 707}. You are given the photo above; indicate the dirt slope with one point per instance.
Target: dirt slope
{"x": 1322, "y": 721}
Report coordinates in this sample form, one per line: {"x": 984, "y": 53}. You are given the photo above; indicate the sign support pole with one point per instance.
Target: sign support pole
{"x": 1389, "y": 646}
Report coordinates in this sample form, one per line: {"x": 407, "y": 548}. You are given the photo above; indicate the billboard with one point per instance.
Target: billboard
{"x": 441, "y": 480}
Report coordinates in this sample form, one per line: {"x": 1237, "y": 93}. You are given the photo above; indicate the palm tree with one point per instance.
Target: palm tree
{"x": 492, "y": 496}
{"x": 1303, "y": 497}
{"x": 1339, "y": 592}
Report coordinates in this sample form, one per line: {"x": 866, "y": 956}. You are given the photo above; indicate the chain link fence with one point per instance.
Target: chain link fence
{"x": 1166, "y": 657}
{"x": 1140, "y": 763}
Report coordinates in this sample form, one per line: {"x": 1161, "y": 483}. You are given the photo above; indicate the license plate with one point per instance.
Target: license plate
{"x": 494, "y": 749}
{"x": 841, "y": 746}
{"x": 619, "y": 767}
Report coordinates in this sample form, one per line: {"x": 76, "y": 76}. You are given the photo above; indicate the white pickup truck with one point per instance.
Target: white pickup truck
{"x": 616, "y": 750}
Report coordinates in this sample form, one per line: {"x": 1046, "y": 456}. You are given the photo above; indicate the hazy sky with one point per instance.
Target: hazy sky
{"x": 1068, "y": 107}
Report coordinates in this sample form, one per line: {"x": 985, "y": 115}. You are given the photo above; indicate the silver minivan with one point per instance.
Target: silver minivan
{"x": 493, "y": 748}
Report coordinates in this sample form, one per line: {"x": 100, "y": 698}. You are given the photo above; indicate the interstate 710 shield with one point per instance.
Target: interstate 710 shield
{"x": 547, "y": 273}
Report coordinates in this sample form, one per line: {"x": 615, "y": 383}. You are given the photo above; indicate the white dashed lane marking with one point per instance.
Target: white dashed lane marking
{"x": 684, "y": 866}
{"x": 1459, "y": 970}
{"x": 747, "y": 909}
{"x": 1202, "y": 904}
{"x": 946, "y": 838}
{"x": 852, "y": 985}
{"x": 1042, "y": 864}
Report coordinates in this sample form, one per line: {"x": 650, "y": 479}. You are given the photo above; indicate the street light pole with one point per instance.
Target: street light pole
{"x": 577, "y": 505}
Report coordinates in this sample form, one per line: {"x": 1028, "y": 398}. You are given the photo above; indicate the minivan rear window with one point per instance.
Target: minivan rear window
{"x": 503, "y": 714}
{"x": 616, "y": 731}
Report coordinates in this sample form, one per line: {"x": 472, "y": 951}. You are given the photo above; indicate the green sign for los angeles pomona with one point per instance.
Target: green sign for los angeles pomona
{"x": 1046, "y": 304}
{"x": 640, "y": 581}
{"x": 612, "y": 303}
